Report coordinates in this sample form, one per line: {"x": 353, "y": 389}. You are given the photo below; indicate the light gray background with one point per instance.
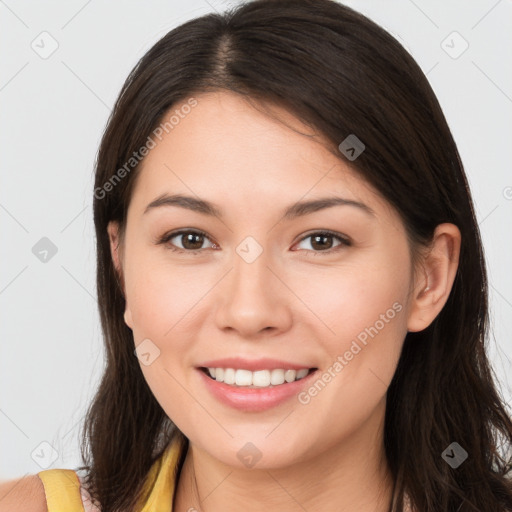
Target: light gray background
{"x": 53, "y": 112}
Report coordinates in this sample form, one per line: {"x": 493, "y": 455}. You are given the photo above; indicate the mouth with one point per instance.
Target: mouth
{"x": 255, "y": 391}
{"x": 261, "y": 379}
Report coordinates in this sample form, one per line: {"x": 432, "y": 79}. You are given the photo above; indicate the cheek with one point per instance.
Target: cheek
{"x": 160, "y": 294}
{"x": 361, "y": 321}
{"x": 351, "y": 301}
{"x": 165, "y": 300}
{"x": 365, "y": 312}
{"x": 161, "y": 300}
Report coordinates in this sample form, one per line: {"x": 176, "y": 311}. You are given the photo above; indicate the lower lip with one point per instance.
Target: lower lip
{"x": 254, "y": 399}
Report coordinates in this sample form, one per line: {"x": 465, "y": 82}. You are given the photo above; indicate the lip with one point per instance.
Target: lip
{"x": 239, "y": 363}
{"x": 254, "y": 399}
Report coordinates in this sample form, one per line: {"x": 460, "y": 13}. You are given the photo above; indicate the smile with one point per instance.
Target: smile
{"x": 249, "y": 397}
{"x": 257, "y": 379}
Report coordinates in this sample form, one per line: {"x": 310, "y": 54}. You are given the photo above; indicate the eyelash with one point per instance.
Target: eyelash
{"x": 344, "y": 241}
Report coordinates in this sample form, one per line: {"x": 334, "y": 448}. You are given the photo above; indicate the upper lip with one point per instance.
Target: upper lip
{"x": 253, "y": 365}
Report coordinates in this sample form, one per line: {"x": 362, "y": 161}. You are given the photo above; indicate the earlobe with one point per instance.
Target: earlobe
{"x": 432, "y": 289}
{"x": 128, "y": 317}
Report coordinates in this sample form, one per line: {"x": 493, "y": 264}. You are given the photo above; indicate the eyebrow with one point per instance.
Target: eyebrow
{"x": 298, "y": 209}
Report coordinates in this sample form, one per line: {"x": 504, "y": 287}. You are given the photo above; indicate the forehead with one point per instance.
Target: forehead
{"x": 226, "y": 149}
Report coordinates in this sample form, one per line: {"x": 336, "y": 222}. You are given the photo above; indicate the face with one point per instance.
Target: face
{"x": 326, "y": 287}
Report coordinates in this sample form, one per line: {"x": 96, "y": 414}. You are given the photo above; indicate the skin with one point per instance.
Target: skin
{"x": 296, "y": 302}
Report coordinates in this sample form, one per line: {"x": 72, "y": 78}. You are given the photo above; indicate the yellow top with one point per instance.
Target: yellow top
{"x": 63, "y": 494}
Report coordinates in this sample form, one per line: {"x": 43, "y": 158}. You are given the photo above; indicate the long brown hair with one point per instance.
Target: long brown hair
{"x": 341, "y": 74}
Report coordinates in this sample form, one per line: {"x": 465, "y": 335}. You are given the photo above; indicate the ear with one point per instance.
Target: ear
{"x": 116, "y": 253}
{"x": 434, "y": 282}
{"x": 115, "y": 250}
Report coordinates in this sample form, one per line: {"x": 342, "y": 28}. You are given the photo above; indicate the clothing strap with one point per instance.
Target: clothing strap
{"x": 63, "y": 494}
{"x": 164, "y": 475}
{"x": 62, "y": 489}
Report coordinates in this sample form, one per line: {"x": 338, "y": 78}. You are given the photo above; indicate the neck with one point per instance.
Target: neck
{"x": 352, "y": 475}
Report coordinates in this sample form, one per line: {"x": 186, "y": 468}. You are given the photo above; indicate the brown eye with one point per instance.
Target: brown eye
{"x": 185, "y": 240}
{"x": 192, "y": 241}
{"x": 321, "y": 242}
{"x": 324, "y": 241}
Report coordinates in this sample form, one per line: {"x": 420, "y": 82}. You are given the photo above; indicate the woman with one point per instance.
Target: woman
{"x": 291, "y": 281}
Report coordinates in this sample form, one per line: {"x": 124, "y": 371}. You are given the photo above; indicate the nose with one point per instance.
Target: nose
{"x": 252, "y": 299}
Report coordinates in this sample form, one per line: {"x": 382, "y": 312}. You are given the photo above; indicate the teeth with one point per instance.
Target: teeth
{"x": 277, "y": 377}
{"x": 302, "y": 373}
{"x": 229, "y": 376}
{"x": 242, "y": 377}
{"x": 289, "y": 375}
{"x": 258, "y": 379}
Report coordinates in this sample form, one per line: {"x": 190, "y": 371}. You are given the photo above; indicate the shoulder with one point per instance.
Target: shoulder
{"x": 23, "y": 494}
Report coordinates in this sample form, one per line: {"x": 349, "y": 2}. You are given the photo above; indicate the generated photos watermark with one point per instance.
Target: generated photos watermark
{"x": 165, "y": 127}
{"x": 343, "y": 360}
